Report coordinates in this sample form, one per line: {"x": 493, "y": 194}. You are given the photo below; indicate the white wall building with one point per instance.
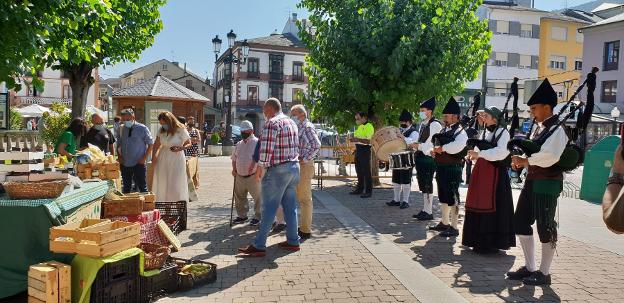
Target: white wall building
{"x": 274, "y": 68}
{"x": 515, "y": 50}
{"x": 56, "y": 89}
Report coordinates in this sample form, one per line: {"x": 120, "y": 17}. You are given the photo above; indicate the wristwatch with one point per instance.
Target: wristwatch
{"x": 615, "y": 178}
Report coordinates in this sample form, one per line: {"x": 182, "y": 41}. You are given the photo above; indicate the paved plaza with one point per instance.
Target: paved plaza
{"x": 365, "y": 251}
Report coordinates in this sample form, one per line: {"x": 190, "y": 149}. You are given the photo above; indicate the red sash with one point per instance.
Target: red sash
{"x": 482, "y": 190}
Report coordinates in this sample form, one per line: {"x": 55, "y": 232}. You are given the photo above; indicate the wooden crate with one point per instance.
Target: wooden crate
{"x": 128, "y": 205}
{"x": 95, "y": 238}
{"x": 49, "y": 282}
{"x": 150, "y": 200}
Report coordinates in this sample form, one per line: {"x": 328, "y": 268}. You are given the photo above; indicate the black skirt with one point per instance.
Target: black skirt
{"x": 402, "y": 176}
{"x": 492, "y": 230}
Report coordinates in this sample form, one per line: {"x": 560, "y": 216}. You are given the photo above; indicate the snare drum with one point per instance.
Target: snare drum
{"x": 386, "y": 141}
{"x": 402, "y": 160}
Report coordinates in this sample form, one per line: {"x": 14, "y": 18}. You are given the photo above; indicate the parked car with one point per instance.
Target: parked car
{"x": 236, "y": 133}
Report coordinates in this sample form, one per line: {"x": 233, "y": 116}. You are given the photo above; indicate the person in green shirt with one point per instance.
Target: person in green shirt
{"x": 362, "y": 139}
{"x": 66, "y": 144}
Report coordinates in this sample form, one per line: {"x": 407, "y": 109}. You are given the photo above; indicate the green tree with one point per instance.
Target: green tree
{"x": 380, "y": 56}
{"x": 55, "y": 122}
{"x": 15, "y": 119}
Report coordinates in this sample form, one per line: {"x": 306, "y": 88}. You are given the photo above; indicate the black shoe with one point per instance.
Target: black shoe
{"x": 254, "y": 222}
{"x": 278, "y": 228}
{"x": 519, "y": 274}
{"x": 303, "y": 235}
{"x": 393, "y": 203}
{"x": 450, "y": 232}
{"x": 239, "y": 220}
{"x": 425, "y": 217}
{"x": 404, "y": 205}
{"x": 419, "y": 215}
{"x": 537, "y": 278}
{"x": 366, "y": 195}
{"x": 355, "y": 192}
{"x": 439, "y": 227}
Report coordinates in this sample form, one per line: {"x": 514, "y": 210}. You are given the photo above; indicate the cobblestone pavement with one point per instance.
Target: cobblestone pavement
{"x": 331, "y": 267}
{"x": 581, "y": 272}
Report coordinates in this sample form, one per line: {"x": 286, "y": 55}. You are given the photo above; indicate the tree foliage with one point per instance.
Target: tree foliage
{"x": 380, "y": 56}
{"x": 15, "y": 119}
{"x": 55, "y": 122}
{"x": 77, "y": 36}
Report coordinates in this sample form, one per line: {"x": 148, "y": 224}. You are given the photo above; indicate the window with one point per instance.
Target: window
{"x": 609, "y": 91}
{"x": 275, "y": 64}
{"x": 203, "y": 88}
{"x": 578, "y": 64}
{"x": 501, "y": 59}
{"x": 502, "y": 27}
{"x": 227, "y": 71}
{"x": 611, "y": 55}
{"x": 557, "y": 62}
{"x": 525, "y": 62}
{"x": 579, "y": 37}
{"x": 297, "y": 95}
{"x": 297, "y": 71}
{"x": 189, "y": 84}
{"x": 164, "y": 67}
{"x": 560, "y": 95}
{"x": 276, "y": 90}
{"x": 252, "y": 93}
{"x": 526, "y": 31}
{"x": 500, "y": 89}
{"x": 253, "y": 67}
{"x": 559, "y": 33}
{"x": 67, "y": 92}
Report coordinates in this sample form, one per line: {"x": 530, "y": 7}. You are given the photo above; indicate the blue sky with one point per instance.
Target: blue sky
{"x": 190, "y": 25}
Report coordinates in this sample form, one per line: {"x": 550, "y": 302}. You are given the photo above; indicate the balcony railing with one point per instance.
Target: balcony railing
{"x": 30, "y": 140}
{"x": 276, "y": 75}
{"x": 43, "y": 100}
{"x": 253, "y": 75}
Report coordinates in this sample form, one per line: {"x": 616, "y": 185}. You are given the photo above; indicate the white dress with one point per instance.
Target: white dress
{"x": 170, "y": 183}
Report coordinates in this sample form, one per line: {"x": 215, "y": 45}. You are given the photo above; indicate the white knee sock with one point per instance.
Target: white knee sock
{"x": 406, "y": 189}
{"x": 428, "y": 203}
{"x": 528, "y": 248}
{"x": 446, "y": 210}
{"x": 548, "y": 253}
{"x": 397, "y": 192}
{"x": 454, "y": 215}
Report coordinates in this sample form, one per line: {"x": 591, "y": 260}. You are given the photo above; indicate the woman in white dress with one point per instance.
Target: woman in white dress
{"x": 170, "y": 182}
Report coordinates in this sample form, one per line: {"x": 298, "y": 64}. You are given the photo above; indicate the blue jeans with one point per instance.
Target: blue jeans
{"x": 278, "y": 187}
{"x": 135, "y": 173}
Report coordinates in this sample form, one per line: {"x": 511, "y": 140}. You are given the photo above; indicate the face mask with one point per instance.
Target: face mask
{"x": 128, "y": 123}
{"x": 245, "y": 135}
{"x": 422, "y": 115}
{"x": 165, "y": 127}
{"x": 98, "y": 126}
{"x": 403, "y": 125}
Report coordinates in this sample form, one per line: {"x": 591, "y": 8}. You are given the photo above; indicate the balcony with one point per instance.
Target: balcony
{"x": 43, "y": 100}
{"x": 253, "y": 75}
{"x": 276, "y": 75}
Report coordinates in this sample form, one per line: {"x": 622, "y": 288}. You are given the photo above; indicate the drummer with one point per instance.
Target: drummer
{"x": 425, "y": 166}
{"x": 402, "y": 176}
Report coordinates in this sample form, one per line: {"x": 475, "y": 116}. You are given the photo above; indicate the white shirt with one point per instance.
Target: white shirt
{"x": 434, "y": 128}
{"x": 413, "y": 138}
{"x": 498, "y": 153}
{"x": 551, "y": 150}
{"x": 456, "y": 146}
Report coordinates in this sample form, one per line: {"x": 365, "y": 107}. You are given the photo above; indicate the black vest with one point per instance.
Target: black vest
{"x": 408, "y": 132}
{"x": 425, "y": 131}
{"x": 545, "y": 173}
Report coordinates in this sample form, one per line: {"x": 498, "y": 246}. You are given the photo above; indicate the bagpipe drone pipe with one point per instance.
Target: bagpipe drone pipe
{"x": 441, "y": 139}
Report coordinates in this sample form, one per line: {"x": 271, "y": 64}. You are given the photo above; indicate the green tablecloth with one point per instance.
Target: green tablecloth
{"x": 24, "y": 232}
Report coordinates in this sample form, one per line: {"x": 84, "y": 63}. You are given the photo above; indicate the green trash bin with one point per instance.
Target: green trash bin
{"x": 598, "y": 163}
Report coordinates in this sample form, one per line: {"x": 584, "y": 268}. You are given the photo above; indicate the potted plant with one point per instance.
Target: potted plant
{"x": 214, "y": 149}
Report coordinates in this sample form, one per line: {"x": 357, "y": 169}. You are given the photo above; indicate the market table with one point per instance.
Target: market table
{"x": 25, "y": 225}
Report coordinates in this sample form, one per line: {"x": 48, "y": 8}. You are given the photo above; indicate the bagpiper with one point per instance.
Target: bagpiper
{"x": 402, "y": 177}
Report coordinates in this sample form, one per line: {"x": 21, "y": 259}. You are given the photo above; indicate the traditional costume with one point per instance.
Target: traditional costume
{"x": 402, "y": 177}
{"x": 449, "y": 172}
{"x": 538, "y": 198}
{"x": 425, "y": 165}
{"x": 488, "y": 225}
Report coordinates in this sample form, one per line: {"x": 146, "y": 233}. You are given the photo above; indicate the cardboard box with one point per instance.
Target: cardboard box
{"x": 49, "y": 282}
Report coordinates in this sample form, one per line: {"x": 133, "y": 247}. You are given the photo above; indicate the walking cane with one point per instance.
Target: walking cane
{"x": 232, "y": 207}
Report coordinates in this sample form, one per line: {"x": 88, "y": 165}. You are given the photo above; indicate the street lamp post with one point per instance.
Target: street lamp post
{"x": 229, "y": 59}
{"x": 615, "y": 114}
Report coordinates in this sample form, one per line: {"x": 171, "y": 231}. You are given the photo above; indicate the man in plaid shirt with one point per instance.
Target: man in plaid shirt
{"x": 279, "y": 171}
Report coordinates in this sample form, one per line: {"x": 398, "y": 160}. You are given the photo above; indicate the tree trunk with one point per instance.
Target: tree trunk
{"x": 80, "y": 80}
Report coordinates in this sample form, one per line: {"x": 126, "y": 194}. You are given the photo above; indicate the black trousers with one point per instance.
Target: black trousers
{"x": 135, "y": 173}
{"x": 532, "y": 208}
{"x": 363, "y": 168}
{"x": 402, "y": 176}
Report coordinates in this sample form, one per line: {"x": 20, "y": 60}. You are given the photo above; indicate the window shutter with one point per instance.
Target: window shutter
{"x": 514, "y": 28}
{"x": 513, "y": 60}
{"x": 492, "y": 26}
{"x": 536, "y": 31}
{"x": 534, "y": 62}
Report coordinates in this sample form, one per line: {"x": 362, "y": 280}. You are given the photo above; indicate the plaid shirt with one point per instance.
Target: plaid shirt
{"x": 279, "y": 142}
{"x": 309, "y": 143}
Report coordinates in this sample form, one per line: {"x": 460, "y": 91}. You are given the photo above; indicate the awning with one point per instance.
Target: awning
{"x": 33, "y": 110}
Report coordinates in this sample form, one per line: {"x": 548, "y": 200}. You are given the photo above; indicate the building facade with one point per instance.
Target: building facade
{"x": 274, "y": 68}
{"x": 561, "y": 50}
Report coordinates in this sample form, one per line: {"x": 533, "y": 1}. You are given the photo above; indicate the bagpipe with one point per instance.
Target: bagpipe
{"x": 441, "y": 139}
{"x": 573, "y": 155}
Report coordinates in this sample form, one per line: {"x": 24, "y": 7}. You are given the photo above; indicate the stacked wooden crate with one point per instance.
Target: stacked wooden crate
{"x": 49, "y": 282}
